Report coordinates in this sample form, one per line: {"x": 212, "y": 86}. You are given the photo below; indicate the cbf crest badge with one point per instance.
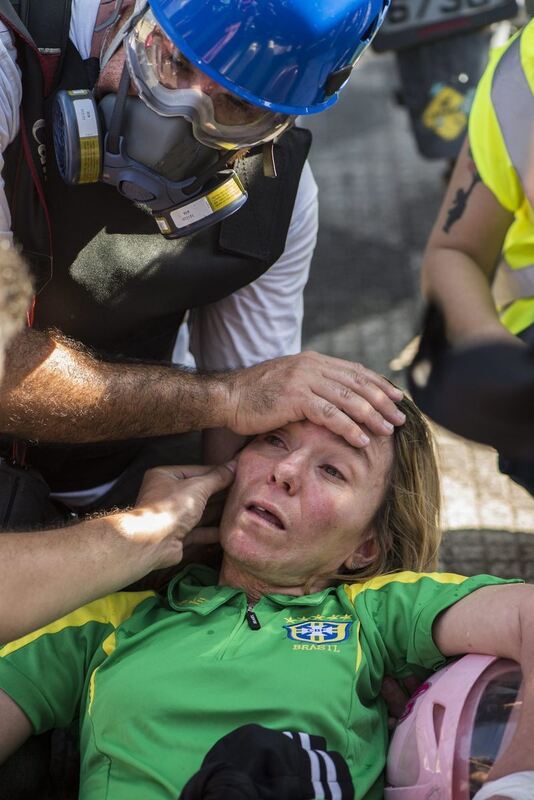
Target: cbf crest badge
{"x": 316, "y": 631}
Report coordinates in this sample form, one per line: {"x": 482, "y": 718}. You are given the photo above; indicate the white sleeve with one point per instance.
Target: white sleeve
{"x": 82, "y": 24}
{"x": 10, "y": 99}
{"x": 264, "y": 319}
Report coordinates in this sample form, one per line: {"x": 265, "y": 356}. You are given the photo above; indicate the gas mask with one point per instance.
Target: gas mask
{"x": 156, "y": 162}
{"x": 167, "y": 149}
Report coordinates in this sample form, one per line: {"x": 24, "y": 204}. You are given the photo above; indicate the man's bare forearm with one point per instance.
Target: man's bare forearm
{"x": 55, "y": 390}
{"x": 46, "y": 574}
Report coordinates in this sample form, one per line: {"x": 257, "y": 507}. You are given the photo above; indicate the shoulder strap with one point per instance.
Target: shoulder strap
{"x": 47, "y": 21}
{"x": 9, "y": 15}
{"x": 259, "y": 229}
{"x": 43, "y": 25}
{"x": 41, "y": 32}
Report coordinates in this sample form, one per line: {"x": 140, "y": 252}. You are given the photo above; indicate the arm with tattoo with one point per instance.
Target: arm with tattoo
{"x": 459, "y": 204}
{"x": 462, "y": 253}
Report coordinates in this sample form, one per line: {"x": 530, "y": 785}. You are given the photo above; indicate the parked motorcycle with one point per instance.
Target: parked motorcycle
{"x": 441, "y": 49}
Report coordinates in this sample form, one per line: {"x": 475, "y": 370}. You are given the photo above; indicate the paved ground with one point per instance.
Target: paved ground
{"x": 378, "y": 201}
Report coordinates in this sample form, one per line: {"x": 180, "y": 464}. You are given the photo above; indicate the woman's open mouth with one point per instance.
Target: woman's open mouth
{"x": 265, "y": 514}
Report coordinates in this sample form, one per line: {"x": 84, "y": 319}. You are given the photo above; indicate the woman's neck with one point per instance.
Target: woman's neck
{"x": 237, "y": 576}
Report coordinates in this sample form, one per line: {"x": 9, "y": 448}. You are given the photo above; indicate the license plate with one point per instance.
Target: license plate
{"x": 410, "y": 22}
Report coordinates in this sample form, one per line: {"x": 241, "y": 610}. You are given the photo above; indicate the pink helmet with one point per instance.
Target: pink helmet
{"x": 453, "y": 729}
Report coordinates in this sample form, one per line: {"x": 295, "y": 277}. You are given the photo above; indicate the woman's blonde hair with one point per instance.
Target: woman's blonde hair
{"x": 406, "y": 527}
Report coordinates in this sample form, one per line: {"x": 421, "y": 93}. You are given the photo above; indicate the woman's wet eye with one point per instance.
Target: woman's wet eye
{"x": 333, "y": 471}
{"x": 271, "y": 438}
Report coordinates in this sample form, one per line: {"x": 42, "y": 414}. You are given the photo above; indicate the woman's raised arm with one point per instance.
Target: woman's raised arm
{"x": 15, "y": 727}
{"x": 498, "y": 620}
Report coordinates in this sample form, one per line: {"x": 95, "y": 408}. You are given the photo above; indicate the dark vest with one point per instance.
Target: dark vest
{"x": 110, "y": 280}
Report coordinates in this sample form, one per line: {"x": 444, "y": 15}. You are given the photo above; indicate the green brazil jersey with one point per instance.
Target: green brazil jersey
{"x": 156, "y": 683}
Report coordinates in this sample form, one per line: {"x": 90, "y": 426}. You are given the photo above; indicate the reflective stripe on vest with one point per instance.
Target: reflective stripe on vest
{"x": 512, "y": 284}
{"x": 513, "y": 103}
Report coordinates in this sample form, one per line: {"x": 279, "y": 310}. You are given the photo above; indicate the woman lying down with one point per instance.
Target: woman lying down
{"x": 323, "y": 590}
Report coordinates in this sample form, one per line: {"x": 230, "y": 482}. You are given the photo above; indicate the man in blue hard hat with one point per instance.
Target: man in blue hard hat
{"x": 126, "y": 127}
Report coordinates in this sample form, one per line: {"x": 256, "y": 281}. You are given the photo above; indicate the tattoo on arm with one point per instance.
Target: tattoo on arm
{"x": 459, "y": 203}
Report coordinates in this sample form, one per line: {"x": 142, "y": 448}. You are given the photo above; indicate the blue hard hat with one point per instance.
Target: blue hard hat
{"x": 289, "y": 56}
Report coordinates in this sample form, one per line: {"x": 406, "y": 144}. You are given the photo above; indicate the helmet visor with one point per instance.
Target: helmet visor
{"x": 495, "y": 722}
{"x": 172, "y": 86}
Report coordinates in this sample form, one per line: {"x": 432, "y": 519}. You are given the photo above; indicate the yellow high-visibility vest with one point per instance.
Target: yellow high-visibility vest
{"x": 501, "y": 135}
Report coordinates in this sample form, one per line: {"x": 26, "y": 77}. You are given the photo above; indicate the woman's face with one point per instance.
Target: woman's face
{"x": 302, "y": 503}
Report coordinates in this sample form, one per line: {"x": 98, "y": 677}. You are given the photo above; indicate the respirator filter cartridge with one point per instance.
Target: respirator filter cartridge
{"x": 77, "y": 137}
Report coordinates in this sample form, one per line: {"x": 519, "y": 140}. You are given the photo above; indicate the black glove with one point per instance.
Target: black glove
{"x": 484, "y": 392}
{"x": 255, "y": 763}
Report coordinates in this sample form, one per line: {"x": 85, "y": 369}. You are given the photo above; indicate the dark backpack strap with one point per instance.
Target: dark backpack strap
{"x": 259, "y": 229}
{"x": 9, "y": 15}
{"x": 41, "y": 35}
{"x": 47, "y": 22}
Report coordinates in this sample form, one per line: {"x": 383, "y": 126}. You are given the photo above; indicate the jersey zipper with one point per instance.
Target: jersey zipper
{"x": 251, "y": 618}
{"x": 245, "y": 620}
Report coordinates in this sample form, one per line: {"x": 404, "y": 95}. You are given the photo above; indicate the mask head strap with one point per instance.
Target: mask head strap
{"x": 114, "y": 132}
{"x": 208, "y": 173}
{"x": 111, "y": 20}
{"x": 109, "y": 50}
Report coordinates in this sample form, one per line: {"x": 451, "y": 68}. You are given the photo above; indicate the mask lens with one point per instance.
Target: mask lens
{"x": 174, "y": 71}
{"x": 230, "y": 110}
{"x": 172, "y": 86}
{"x": 165, "y": 61}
